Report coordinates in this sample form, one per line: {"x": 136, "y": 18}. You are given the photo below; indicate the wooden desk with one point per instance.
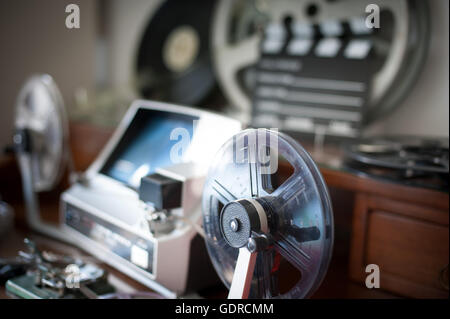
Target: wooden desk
{"x": 402, "y": 229}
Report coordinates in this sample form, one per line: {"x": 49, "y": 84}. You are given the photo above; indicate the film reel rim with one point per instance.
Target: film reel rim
{"x": 214, "y": 245}
{"x": 325, "y": 199}
{"x": 411, "y": 66}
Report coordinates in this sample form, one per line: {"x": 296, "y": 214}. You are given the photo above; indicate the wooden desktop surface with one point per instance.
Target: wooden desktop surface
{"x": 87, "y": 141}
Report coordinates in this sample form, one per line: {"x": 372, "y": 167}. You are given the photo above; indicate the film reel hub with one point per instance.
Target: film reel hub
{"x": 240, "y": 219}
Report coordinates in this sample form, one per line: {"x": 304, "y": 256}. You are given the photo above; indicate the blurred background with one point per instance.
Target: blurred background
{"x": 98, "y": 66}
{"x": 310, "y": 68}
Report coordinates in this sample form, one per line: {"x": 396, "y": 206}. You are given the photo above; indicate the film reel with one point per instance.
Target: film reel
{"x": 400, "y": 45}
{"x": 41, "y": 132}
{"x": 402, "y": 153}
{"x": 41, "y": 143}
{"x": 252, "y": 217}
{"x": 173, "y": 62}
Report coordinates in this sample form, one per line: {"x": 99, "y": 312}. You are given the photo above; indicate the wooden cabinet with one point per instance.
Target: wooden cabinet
{"x": 404, "y": 230}
{"x": 408, "y": 241}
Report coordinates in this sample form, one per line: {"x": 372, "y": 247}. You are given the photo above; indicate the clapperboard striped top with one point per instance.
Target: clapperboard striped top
{"x": 313, "y": 77}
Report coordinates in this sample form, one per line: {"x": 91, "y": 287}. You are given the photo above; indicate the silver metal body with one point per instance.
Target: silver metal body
{"x": 117, "y": 204}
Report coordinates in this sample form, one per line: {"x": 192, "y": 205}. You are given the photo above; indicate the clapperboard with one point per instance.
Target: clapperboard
{"x": 314, "y": 77}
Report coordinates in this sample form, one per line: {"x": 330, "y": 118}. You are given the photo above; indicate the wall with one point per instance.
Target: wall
{"x": 425, "y": 111}
{"x": 34, "y": 39}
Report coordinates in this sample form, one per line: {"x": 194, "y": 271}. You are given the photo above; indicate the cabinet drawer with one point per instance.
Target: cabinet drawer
{"x": 411, "y": 253}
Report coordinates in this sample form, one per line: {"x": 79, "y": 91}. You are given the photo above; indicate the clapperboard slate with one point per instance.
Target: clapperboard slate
{"x": 314, "y": 77}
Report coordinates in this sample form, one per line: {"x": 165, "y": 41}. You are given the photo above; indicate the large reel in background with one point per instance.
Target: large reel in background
{"x": 400, "y": 44}
{"x": 173, "y": 62}
{"x": 299, "y": 212}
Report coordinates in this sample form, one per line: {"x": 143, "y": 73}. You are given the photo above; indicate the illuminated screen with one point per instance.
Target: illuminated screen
{"x": 147, "y": 144}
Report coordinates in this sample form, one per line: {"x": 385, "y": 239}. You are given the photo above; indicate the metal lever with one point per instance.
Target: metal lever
{"x": 243, "y": 274}
{"x": 245, "y": 265}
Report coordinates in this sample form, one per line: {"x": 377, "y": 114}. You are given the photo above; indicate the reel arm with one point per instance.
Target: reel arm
{"x": 32, "y": 205}
{"x": 243, "y": 274}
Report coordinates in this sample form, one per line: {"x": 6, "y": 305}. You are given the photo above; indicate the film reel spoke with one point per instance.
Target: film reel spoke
{"x": 240, "y": 55}
{"x": 294, "y": 254}
{"x": 259, "y": 172}
{"x": 222, "y": 193}
{"x": 237, "y": 57}
{"x": 290, "y": 190}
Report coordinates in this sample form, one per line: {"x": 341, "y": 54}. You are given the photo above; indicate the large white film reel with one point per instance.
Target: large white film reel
{"x": 237, "y": 32}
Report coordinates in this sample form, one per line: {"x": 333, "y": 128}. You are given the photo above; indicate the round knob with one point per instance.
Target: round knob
{"x": 238, "y": 219}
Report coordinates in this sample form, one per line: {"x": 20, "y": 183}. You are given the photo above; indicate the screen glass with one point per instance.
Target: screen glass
{"x": 154, "y": 139}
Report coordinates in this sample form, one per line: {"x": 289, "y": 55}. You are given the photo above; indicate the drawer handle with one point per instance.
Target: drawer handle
{"x": 443, "y": 277}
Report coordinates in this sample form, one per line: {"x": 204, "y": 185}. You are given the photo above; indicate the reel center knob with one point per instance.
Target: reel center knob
{"x": 238, "y": 219}
{"x": 234, "y": 225}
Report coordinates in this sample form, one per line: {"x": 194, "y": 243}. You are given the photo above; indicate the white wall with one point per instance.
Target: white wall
{"x": 425, "y": 111}
{"x": 34, "y": 39}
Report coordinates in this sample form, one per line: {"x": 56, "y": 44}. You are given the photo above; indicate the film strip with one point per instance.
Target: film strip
{"x": 314, "y": 78}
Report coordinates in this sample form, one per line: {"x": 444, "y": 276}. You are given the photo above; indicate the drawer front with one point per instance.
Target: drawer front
{"x": 409, "y": 242}
{"x": 412, "y": 254}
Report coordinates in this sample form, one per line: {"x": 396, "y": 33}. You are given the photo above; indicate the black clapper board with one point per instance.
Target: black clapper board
{"x": 314, "y": 81}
